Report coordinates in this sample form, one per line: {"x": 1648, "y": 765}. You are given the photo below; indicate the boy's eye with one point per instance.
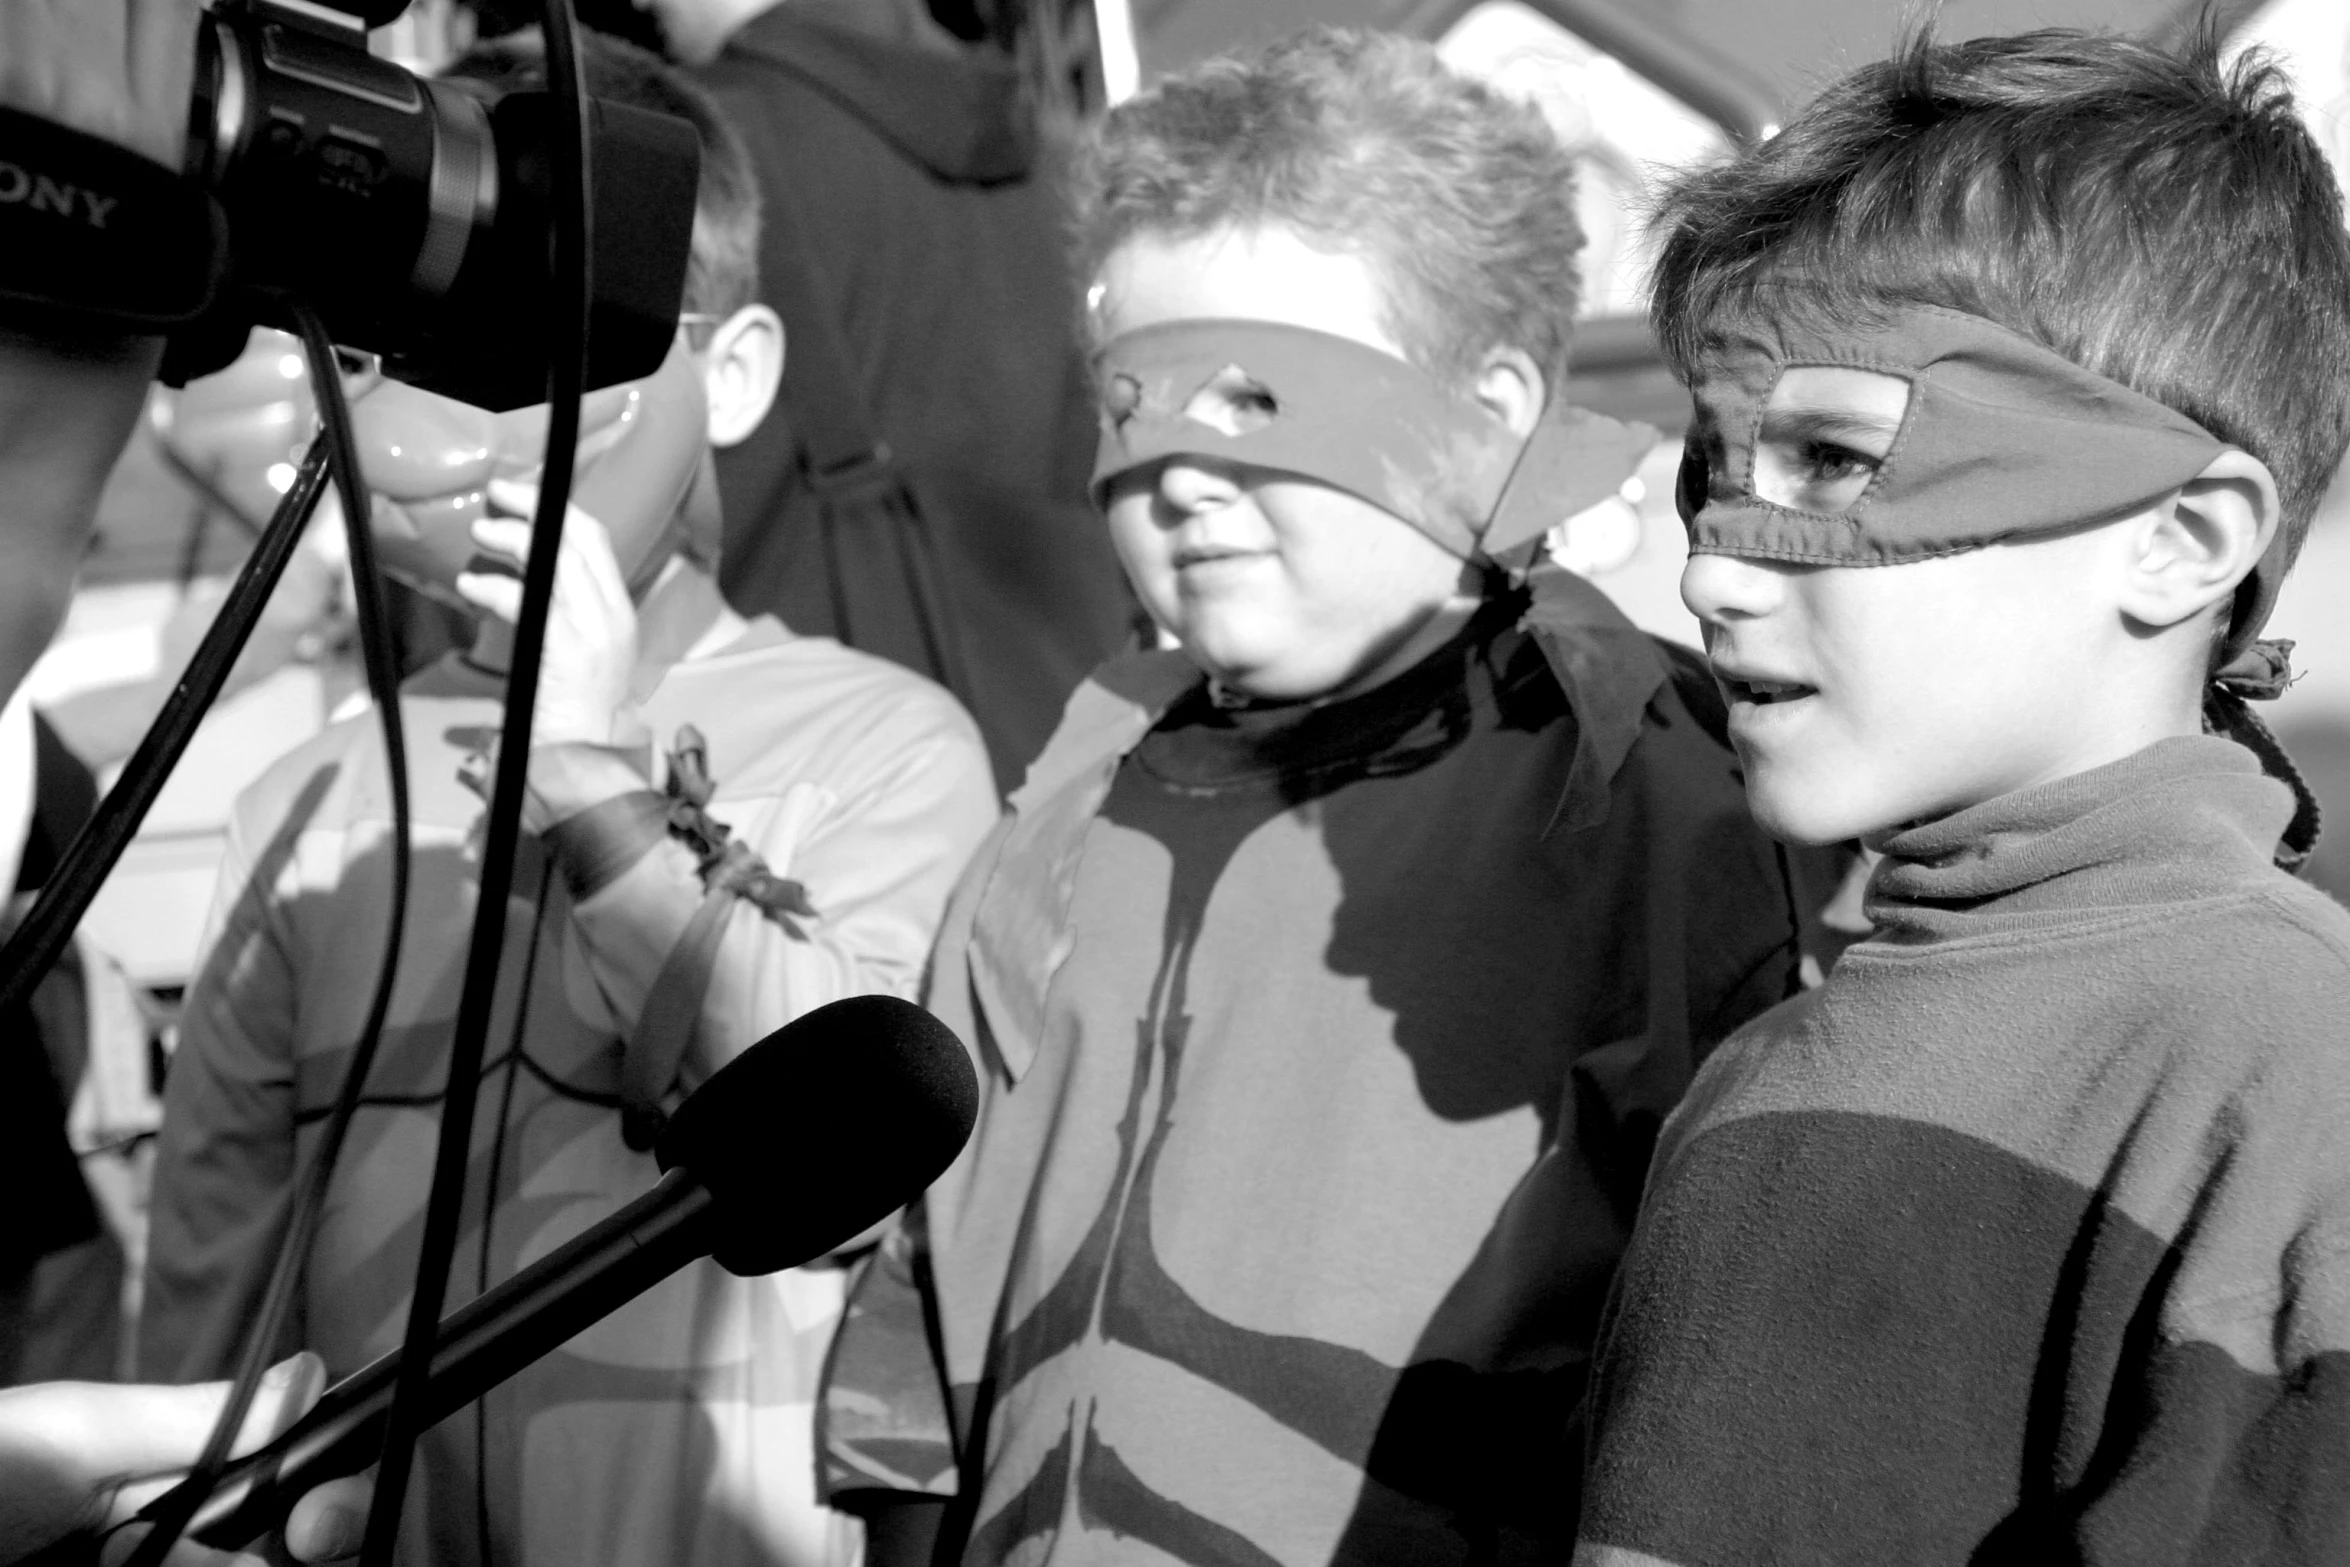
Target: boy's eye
{"x": 1806, "y": 473}
{"x": 1234, "y": 402}
{"x": 361, "y": 371}
{"x": 1121, "y": 398}
{"x": 1826, "y": 463}
{"x": 1825, "y": 432}
{"x": 1700, "y": 451}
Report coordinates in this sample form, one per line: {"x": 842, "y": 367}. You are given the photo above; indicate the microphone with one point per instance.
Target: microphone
{"x": 821, "y": 1130}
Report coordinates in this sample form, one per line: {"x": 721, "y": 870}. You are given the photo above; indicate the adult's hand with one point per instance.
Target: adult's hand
{"x": 117, "y": 69}
{"x": 81, "y": 1457}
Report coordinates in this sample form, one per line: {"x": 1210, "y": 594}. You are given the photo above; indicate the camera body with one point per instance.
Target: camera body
{"x": 413, "y": 215}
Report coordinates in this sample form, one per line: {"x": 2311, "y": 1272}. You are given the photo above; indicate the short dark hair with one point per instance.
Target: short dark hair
{"x": 2155, "y": 217}
{"x": 1462, "y": 200}
{"x": 722, "y": 274}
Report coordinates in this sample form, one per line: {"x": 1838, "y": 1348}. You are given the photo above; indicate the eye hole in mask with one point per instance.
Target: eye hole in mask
{"x": 1121, "y": 397}
{"x": 1695, "y": 478}
{"x": 1825, "y": 432}
{"x": 1233, "y": 402}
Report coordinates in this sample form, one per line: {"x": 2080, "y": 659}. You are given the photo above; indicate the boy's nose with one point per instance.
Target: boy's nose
{"x": 1721, "y": 588}
{"x": 1190, "y": 484}
{"x": 414, "y": 445}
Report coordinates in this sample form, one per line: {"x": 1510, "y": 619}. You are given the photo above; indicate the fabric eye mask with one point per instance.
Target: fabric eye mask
{"x": 1345, "y": 414}
{"x": 2001, "y": 439}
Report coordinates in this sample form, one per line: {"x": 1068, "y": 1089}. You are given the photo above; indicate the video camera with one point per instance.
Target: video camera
{"x": 501, "y": 252}
{"x": 412, "y": 215}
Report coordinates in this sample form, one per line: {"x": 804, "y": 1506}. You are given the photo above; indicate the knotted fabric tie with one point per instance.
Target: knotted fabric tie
{"x": 596, "y": 846}
{"x": 2226, "y": 713}
{"x": 2259, "y": 672}
{"x": 726, "y": 864}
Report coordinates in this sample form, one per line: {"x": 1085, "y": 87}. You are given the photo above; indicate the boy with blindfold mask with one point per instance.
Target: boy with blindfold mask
{"x": 1333, "y": 971}
{"x": 2019, "y": 368}
{"x": 731, "y": 825}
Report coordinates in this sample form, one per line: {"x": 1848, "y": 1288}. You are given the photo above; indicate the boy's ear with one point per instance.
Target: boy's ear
{"x": 741, "y": 369}
{"x": 1510, "y": 386}
{"x": 2197, "y": 546}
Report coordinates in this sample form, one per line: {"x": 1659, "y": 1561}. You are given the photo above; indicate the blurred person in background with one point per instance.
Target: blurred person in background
{"x": 60, "y": 1269}
{"x": 117, "y": 70}
{"x": 920, "y": 489}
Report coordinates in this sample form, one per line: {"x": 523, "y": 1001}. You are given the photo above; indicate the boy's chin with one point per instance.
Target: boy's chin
{"x": 1260, "y": 684}
{"x": 1276, "y": 663}
{"x": 1809, "y": 817}
{"x": 1280, "y": 680}
{"x": 1256, "y": 667}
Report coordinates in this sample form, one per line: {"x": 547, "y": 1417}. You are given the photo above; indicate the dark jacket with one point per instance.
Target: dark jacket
{"x": 37, "y": 1164}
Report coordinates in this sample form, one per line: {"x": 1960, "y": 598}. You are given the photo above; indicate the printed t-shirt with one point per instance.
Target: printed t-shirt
{"x": 1285, "y": 1240}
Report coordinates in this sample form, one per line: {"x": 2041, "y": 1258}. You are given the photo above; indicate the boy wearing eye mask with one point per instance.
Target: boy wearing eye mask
{"x": 2019, "y": 367}
{"x": 730, "y": 826}
{"x": 1335, "y": 965}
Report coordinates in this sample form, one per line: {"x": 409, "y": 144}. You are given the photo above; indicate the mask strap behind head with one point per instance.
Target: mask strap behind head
{"x": 1574, "y": 460}
{"x": 2228, "y": 715}
{"x": 2251, "y": 666}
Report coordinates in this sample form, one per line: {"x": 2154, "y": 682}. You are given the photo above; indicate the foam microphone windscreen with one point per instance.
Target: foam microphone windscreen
{"x": 823, "y": 1129}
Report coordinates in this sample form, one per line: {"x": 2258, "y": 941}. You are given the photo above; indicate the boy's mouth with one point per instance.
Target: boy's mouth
{"x": 1765, "y": 693}
{"x": 1210, "y": 554}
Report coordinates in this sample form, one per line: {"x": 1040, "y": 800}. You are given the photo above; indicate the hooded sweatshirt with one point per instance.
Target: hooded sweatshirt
{"x": 911, "y": 180}
{"x": 2025, "y": 1237}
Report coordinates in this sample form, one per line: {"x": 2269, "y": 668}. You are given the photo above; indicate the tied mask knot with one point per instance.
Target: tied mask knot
{"x": 2259, "y": 672}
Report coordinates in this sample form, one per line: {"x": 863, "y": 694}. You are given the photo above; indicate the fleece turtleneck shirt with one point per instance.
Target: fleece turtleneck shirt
{"x": 2026, "y": 1237}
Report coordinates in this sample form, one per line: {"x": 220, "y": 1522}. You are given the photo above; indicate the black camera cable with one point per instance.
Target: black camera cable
{"x": 570, "y": 201}
{"x": 380, "y": 659}
{"x": 41, "y": 936}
